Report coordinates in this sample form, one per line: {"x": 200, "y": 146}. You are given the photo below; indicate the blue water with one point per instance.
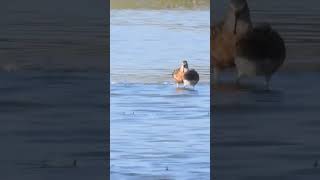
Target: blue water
{"x": 159, "y": 131}
{"x": 146, "y": 45}
{"x": 158, "y": 127}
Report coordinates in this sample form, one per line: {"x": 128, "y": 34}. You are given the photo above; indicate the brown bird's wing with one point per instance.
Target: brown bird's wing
{"x": 178, "y": 75}
{"x": 222, "y": 47}
{"x": 216, "y": 28}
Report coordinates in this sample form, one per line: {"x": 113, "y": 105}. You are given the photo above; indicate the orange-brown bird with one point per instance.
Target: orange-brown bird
{"x": 184, "y": 75}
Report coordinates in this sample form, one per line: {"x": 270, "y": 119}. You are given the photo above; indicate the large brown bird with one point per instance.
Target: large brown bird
{"x": 225, "y": 34}
{"x": 189, "y": 77}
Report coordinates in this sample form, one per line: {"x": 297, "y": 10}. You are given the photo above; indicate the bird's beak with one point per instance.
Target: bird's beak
{"x": 236, "y": 14}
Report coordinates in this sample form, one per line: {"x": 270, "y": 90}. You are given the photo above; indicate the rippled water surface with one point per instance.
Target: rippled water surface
{"x": 146, "y": 45}
{"x": 53, "y": 89}
{"x": 50, "y": 119}
{"x": 159, "y": 131}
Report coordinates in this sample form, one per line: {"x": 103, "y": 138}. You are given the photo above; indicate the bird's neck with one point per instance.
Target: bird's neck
{"x": 183, "y": 69}
{"x": 244, "y": 23}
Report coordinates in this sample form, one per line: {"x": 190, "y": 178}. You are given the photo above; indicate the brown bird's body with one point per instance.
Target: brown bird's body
{"x": 225, "y": 34}
{"x": 189, "y": 77}
{"x": 223, "y": 47}
{"x": 178, "y": 75}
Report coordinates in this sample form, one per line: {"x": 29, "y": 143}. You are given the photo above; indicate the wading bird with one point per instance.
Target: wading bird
{"x": 189, "y": 77}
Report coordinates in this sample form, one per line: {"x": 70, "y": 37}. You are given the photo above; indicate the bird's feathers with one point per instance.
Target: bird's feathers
{"x": 186, "y": 76}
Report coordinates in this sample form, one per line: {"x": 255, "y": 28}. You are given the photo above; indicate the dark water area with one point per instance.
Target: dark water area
{"x": 53, "y": 35}
{"x": 260, "y": 134}
{"x": 53, "y": 74}
{"x": 48, "y": 120}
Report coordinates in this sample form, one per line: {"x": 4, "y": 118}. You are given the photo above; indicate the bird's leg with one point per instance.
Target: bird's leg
{"x": 185, "y": 84}
{"x": 241, "y": 75}
{"x": 177, "y": 85}
{"x": 267, "y": 83}
{"x": 239, "y": 79}
{"x": 215, "y": 75}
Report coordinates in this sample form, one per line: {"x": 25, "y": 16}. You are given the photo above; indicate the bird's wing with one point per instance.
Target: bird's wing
{"x": 174, "y": 72}
{"x": 192, "y": 75}
{"x": 177, "y": 75}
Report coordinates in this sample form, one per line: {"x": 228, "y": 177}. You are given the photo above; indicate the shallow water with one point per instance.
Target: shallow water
{"x": 263, "y": 134}
{"x": 35, "y": 37}
{"x": 53, "y": 91}
{"x": 157, "y": 130}
{"x": 156, "y": 127}
{"x": 146, "y": 45}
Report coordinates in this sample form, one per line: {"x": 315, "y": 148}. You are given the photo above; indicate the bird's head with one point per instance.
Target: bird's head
{"x": 184, "y": 64}
{"x": 237, "y": 6}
